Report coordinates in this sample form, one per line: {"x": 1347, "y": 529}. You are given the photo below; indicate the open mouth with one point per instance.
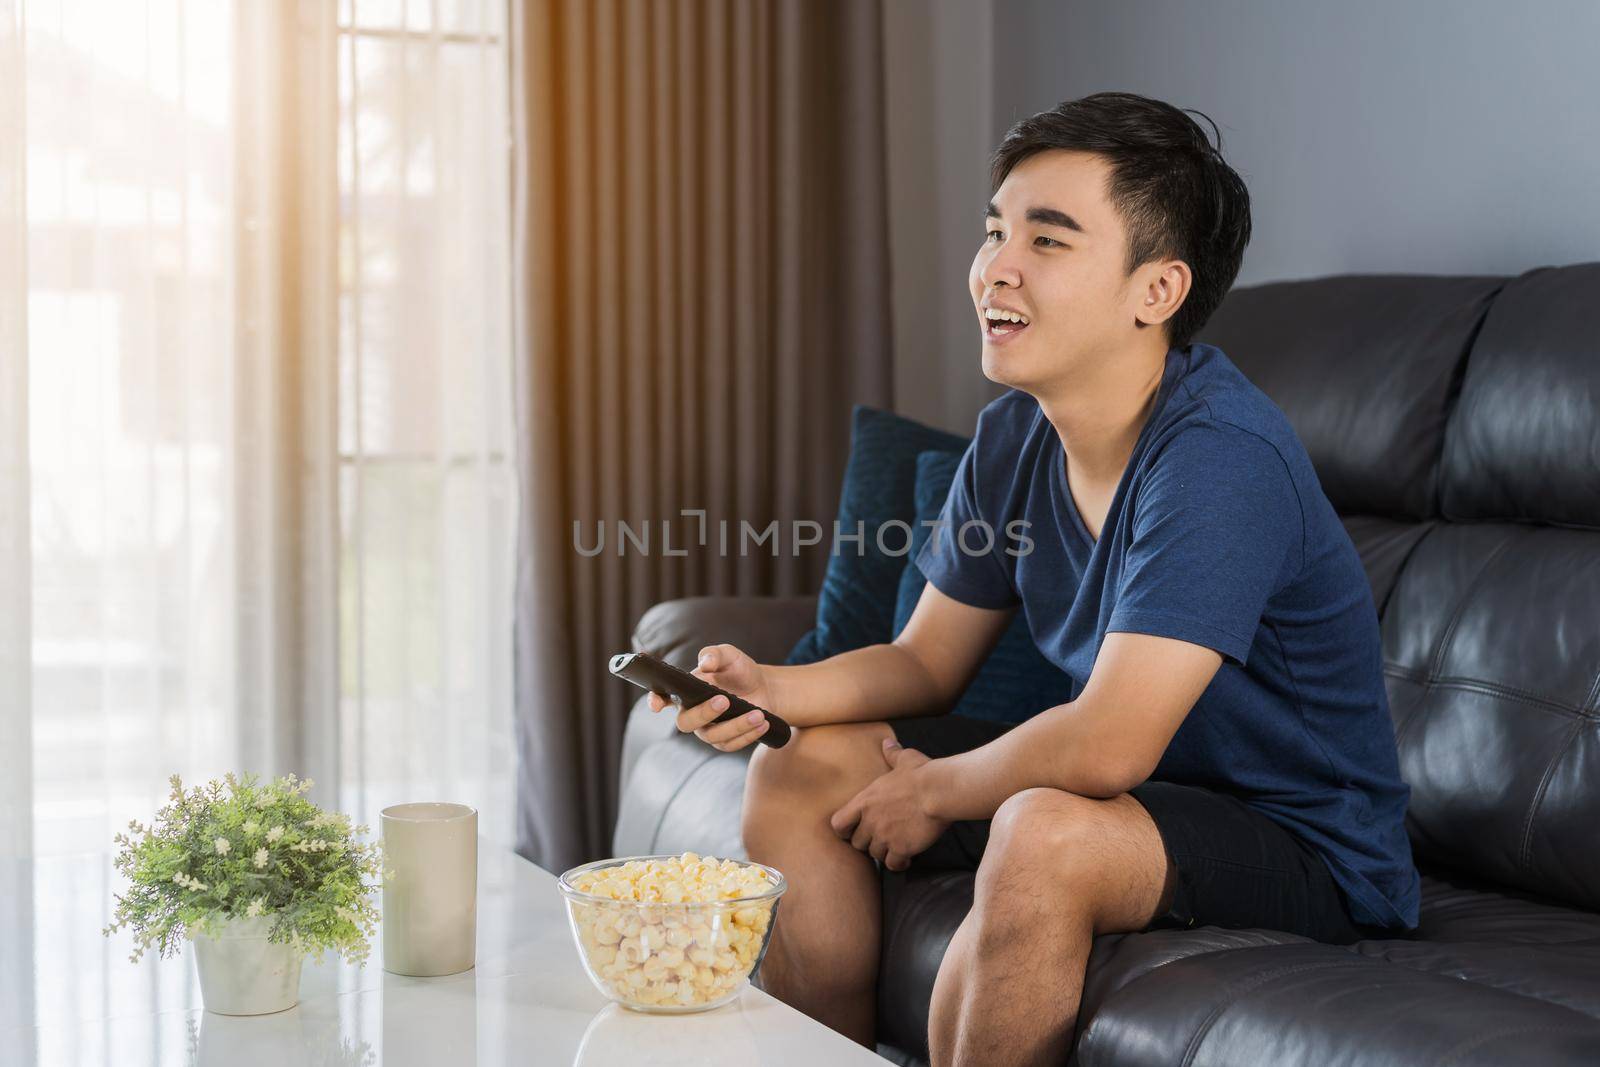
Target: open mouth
{"x": 998, "y": 323}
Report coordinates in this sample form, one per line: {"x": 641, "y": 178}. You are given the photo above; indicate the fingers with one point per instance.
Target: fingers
{"x": 896, "y": 861}
{"x": 657, "y": 701}
{"x": 722, "y": 665}
{"x": 844, "y": 820}
{"x": 748, "y": 736}
{"x": 692, "y": 719}
{"x": 723, "y": 732}
{"x": 715, "y": 657}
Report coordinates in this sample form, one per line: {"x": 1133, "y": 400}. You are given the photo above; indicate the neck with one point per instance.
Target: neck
{"x": 1100, "y": 411}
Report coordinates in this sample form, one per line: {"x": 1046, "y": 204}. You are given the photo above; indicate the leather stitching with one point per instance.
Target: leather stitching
{"x": 1405, "y": 560}
{"x": 1525, "y": 854}
{"x": 1466, "y": 598}
{"x": 1450, "y": 630}
{"x": 1404, "y": 723}
{"x": 1478, "y": 685}
{"x": 1589, "y": 705}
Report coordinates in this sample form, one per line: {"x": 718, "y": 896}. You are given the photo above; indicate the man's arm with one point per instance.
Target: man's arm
{"x": 920, "y": 672}
{"x": 1103, "y": 743}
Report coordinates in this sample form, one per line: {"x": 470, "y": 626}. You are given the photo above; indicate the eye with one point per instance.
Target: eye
{"x": 992, "y": 234}
{"x": 1052, "y": 241}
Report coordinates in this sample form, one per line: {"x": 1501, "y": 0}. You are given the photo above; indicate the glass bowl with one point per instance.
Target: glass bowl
{"x": 671, "y": 957}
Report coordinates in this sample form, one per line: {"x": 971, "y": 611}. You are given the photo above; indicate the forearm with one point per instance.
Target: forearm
{"x": 1060, "y": 748}
{"x": 878, "y": 682}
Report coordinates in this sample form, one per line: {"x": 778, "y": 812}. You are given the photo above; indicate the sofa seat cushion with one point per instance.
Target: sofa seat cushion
{"x": 923, "y": 908}
{"x": 1115, "y": 960}
{"x": 1459, "y": 909}
{"x": 1509, "y": 950}
{"x": 1324, "y": 1004}
{"x": 1558, "y": 974}
{"x": 1511, "y": 942}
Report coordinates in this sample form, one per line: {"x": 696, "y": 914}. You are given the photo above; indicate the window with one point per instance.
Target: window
{"x": 427, "y": 485}
{"x": 151, "y": 563}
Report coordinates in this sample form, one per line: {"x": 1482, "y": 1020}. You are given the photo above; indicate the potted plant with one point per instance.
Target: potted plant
{"x": 258, "y": 878}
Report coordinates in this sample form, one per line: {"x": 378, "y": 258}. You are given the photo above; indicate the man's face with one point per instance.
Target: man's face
{"x": 1054, "y": 251}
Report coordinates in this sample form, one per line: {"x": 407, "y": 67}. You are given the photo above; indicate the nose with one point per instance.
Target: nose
{"x": 1000, "y": 270}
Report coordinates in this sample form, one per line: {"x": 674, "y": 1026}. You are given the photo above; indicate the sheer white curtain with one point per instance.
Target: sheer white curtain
{"x": 16, "y": 723}
{"x": 255, "y": 494}
{"x": 427, "y": 482}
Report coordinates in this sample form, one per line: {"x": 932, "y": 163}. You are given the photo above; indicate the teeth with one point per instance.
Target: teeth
{"x": 1001, "y": 315}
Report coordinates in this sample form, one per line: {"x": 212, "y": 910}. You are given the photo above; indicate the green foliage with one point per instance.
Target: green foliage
{"x": 260, "y": 850}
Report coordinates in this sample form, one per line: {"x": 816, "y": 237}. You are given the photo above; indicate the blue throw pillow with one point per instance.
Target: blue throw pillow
{"x": 1016, "y": 682}
{"x": 856, "y": 605}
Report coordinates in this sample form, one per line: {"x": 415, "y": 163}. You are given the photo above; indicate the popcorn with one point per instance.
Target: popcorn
{"x": 659, "y": 937}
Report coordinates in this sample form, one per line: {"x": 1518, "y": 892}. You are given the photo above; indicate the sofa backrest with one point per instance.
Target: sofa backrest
{"x": 1455, "y": 425}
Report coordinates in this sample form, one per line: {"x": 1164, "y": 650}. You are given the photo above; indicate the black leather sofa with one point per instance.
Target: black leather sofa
{"x": 1455, "y": 424}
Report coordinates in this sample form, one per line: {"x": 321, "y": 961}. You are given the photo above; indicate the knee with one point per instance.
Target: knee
{"x": 783, "y": 785}
{"x": 1039, "y": 840}
{"x": 799, "y": 766}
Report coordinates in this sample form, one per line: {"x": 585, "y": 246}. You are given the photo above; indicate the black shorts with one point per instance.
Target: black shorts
{"x": 1235, "y": 866}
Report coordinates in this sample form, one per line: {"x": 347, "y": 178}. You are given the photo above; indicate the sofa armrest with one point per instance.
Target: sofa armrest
{"x": 675, "y": 792}
{"x": 766, "y": 628}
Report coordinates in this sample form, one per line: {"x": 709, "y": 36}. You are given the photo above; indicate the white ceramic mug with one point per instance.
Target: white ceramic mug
{"x": 430, "y": 903}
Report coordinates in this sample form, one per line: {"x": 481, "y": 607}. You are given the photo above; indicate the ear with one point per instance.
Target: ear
{"x": 1163, "y": 291}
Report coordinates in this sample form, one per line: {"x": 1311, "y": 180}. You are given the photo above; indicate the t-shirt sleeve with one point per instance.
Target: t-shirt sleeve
{"x": 963, "y": 554}
{"x": 1217, "y": 528}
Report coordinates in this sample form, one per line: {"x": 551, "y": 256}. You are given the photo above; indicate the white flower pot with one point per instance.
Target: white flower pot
{"x": 242, "y": 973}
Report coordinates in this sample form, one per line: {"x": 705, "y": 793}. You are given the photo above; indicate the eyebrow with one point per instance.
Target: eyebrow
{"x": 1047, "y": 216}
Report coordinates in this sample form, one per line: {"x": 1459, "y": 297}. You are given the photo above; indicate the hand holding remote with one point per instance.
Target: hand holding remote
{"x": 725, "y": 667}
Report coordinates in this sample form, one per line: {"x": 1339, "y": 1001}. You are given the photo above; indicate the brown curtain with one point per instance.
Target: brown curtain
{"x": 701, "y": 294}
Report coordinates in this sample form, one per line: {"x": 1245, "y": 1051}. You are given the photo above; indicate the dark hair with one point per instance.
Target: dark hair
{"x": 1176, "y": 195}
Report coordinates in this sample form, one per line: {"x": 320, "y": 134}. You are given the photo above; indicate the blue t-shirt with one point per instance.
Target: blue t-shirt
{"x": 1219, "y": 534}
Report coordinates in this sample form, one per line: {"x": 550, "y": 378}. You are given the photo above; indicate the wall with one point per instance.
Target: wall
{"x": 939, "y": 74}
{"x": 1426, "y": 136}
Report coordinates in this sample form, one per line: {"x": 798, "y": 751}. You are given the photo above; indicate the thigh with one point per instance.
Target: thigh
{"x": 819, "y": 769}
{"x": 1236, "y": 867}
{"x": 1100, "y": 858}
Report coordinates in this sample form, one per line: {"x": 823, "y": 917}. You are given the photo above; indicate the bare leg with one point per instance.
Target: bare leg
{"x": 823, "y": 958}
{"x": 1058, "y": 869}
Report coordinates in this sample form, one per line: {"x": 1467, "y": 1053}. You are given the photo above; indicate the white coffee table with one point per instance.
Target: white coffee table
{"x": 69, "y": 996}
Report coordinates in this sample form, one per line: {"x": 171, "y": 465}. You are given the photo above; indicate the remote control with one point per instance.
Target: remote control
{"x": 685, "y": 690}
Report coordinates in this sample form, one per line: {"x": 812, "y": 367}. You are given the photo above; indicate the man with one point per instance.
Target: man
{"x": 1228, "y": 758}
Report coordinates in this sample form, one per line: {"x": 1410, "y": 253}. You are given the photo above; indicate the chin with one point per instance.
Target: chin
{"x": 1004, "y": 368}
